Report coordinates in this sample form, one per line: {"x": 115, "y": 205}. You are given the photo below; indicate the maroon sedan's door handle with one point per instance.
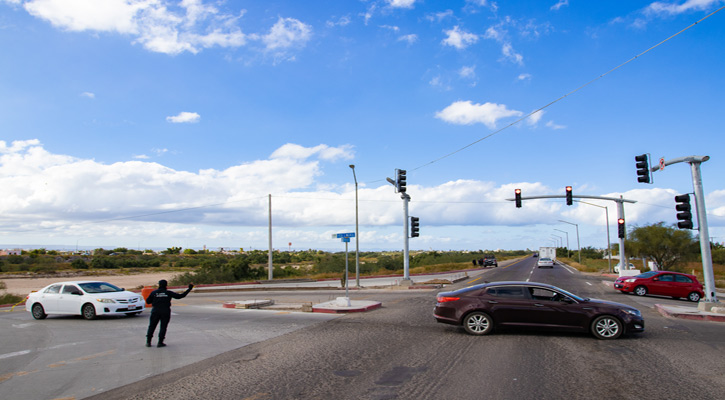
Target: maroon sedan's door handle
{"x": 493, "y": 302}
{"x": 538, "y": 304}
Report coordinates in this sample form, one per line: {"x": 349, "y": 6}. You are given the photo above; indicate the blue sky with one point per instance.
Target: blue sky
{"x": 147, "y": 124}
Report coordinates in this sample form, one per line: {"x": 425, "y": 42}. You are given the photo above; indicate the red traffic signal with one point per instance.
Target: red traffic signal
{"x": 517, "y": 192}
{"x": 622, "y": 231}
{"x": 569, "y": 197}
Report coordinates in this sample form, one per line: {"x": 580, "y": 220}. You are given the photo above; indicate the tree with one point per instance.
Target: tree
{"x": 667, "y": 245}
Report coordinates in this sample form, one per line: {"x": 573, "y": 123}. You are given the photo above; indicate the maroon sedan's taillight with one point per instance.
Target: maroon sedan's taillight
{"x": 445, "y": 299}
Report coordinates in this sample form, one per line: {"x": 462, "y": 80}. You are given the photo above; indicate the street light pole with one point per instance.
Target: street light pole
{"x": 357, "y": 233}
{"x": 568, "y": 249}
{"x": 578, "y": 245}
{"x": 609, "y": 244}
{"x": 561, "y": 240}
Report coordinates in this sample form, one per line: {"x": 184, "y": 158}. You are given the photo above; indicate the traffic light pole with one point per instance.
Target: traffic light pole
{"x": 623, "y": 264}
{"x": 406, "y": 253}
{"x": 706, "y": 254}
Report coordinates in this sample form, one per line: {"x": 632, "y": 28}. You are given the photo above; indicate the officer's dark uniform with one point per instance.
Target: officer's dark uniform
{"x": 160, "y": 299}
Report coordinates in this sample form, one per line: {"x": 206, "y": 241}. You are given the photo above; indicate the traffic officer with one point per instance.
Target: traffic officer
{"x": 160, "y": 300}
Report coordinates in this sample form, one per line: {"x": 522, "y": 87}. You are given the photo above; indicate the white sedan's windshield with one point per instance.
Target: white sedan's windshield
{"x": 99, "y": 287}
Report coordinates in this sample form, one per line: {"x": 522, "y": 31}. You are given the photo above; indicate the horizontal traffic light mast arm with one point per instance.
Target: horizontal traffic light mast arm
{"x": 576, "y": 197}
{"x": 688, "y": 159}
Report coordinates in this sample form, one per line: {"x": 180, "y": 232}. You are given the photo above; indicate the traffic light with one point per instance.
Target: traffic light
{"x": 643, "y": 173}
{"x": 401, "y": 181}
{"x": 569, "y": 197}
{"x": 684, "y": 215}
{"x": 414, "y": 227}
{"x": 517, "y": 192}
{"x": 622, "y": 230}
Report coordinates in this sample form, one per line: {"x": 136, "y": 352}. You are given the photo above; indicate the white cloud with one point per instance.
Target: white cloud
{"x": 439, "y": 16}
{"x": 674, "y": 8}
{"x": 169, "y": 27}
{"x": 467, "y": 113}
{"x": 467, "y": 72}
{"x": 342, "y": 21}
{"x": 554, "y": 126}
{"x": 401, "y": 3}
{"x": 88, "y": 95}
{"x": 560, "y": 4}
{"x": 534, "y": 118}
{"x": 56, "y": 199}
{"x": 524, "y": 77}
{"x": 410, "y": 39}
{"x": 286, "y": 33}
{"x": 510, "y": 54}
{"x": 458, "y": 38}
{"x": 184, "y": 117}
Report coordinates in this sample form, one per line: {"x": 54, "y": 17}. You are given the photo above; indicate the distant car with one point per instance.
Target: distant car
{"x": 481, "y": 308}
{"x": 545, "y": 262}
{"x": 536, "y": 254}
{"x": 663, "y": 283}
{"x": 87, "y": 298}
{"x": 616, "y": 267}
{"x": 490, "y": 260}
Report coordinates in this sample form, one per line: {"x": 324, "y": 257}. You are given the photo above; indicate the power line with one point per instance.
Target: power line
{"x": 568, "y": 94}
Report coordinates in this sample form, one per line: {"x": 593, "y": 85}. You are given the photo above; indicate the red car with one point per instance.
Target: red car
{"x": 663, "y": 283}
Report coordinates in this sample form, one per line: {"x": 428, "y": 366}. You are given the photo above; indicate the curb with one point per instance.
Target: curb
{"x": 695, "y": 315}
{"x": 346, "y": 310}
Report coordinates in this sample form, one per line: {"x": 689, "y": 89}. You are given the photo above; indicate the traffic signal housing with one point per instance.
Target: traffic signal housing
{"x": 414, "y": 227}
{"x": 684, "y": 213}
{"x": 517, "y": 193}
{"x": 622, "y": 231}
{"x": 402, "y": 181}
{"x": 569, "y": 197}
{"x": 643, "y": 172}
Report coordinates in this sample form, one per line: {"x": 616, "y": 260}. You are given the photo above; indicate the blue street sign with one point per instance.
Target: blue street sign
{"x": 346, "y": 235}
{"x": 346, "y": 239}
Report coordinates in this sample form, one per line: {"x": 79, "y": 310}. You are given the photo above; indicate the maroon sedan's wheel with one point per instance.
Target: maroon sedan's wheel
{"x": 640, "y": 290}
{"x": 606, "y": 327}
{"x": 694, "y": 296}
{"x": 478, "y": 323}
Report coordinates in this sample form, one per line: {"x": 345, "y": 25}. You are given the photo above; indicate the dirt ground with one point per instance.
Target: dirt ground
{"x": 23, "y": 286}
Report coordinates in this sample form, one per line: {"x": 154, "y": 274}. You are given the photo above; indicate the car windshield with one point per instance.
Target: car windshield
{"x": 648, "y": 274}
{"x": 99, "y": 287}
{"x": 545, "y": 259}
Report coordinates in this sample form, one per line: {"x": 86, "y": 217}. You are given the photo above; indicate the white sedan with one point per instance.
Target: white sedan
{"x": 545, "y": 262}
{"x": 86, "y": 298}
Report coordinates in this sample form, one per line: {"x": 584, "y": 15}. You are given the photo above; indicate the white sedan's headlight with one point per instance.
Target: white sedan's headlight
{"x": 105, "y": 300}
{"x": 631, "y": 280}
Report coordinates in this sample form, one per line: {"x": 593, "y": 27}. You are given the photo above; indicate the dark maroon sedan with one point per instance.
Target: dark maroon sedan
{"x": 663, "y": 283}
{"x": 482, "y": 307}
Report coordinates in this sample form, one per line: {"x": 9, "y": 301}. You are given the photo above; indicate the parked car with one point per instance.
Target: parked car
{"x": 87, "y": 298}
{"x": 482, "y": 308}
{"x": 663, "y": 283}
{"x": 616, "y": 267}
{"x": 545, "y": 262}
{"x": 490, "y": 260}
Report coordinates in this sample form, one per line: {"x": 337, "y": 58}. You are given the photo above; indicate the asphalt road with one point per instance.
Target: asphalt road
{"x": 397, "y": 352}
{"x": 400, "y": 352}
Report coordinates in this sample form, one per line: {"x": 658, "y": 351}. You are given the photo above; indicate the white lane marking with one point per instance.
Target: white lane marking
{"x": 17, "y": 353}
{"x": 588, "y": 283}
{"x": 568, "y": 269}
